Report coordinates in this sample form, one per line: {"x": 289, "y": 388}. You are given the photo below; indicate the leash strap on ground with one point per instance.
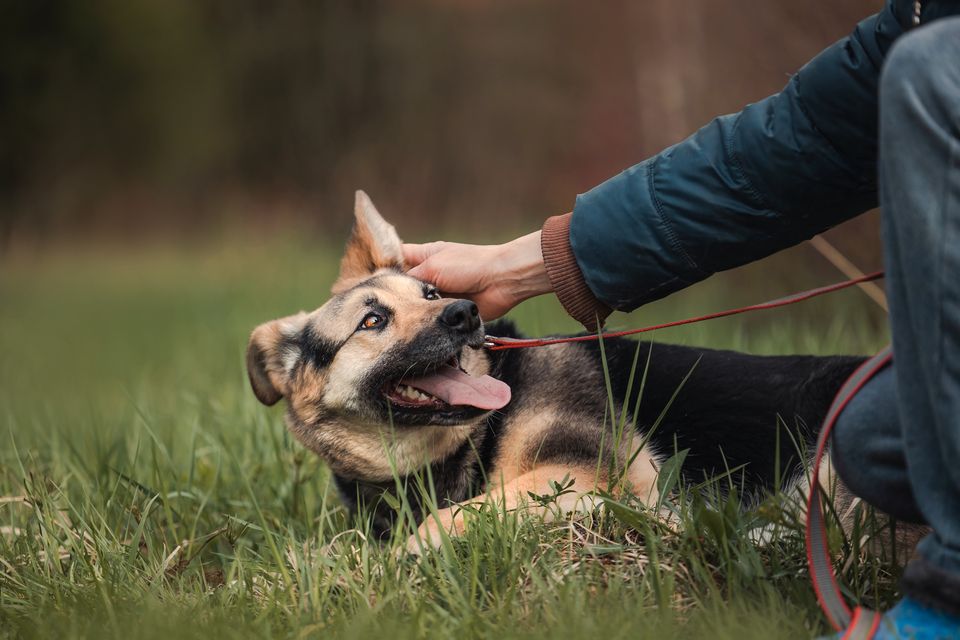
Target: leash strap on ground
{"x": 497, "y": 344}
{"x": 860, "y": 624}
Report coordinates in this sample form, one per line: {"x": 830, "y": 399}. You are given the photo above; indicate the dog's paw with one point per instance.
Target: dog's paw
{"x": 429, "y": 535}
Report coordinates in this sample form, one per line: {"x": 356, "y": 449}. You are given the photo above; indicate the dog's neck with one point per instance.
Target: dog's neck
{"x": 378, "y": 452}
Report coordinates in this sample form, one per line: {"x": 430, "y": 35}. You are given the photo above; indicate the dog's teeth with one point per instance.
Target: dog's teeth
{"x": 410, "y": 393}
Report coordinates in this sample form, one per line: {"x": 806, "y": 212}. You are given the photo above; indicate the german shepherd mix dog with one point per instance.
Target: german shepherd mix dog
{"x": 389, "y": 378}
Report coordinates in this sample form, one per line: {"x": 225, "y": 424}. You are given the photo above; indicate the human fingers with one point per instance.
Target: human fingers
{"x": 443, "y": 263}
{"x": 452, "y": 271}
{"x": 414, "y": 254}
{"x": 423, "y": 271}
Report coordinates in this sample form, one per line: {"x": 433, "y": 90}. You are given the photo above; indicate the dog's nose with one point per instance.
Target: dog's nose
{"x": 461, "y": 315}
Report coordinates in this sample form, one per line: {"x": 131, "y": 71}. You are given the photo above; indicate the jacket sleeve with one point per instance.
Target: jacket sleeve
{"x": 744, "y": 186}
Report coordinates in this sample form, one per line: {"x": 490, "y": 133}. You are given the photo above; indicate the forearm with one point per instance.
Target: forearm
{"x": 541, "y": 262}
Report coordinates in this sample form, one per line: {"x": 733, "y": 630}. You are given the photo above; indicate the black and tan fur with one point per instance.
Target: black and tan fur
{"x": 557, "y": 424}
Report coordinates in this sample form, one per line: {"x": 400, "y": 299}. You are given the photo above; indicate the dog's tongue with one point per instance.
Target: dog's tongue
{"x": 456, "y": 387}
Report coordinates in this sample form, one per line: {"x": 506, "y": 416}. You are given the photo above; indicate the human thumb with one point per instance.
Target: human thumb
{"x": 422, "y": 271}
{"x": 414, "y": 254}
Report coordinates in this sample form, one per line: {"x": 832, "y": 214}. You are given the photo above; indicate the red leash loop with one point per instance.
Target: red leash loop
{"x": 498, "y": 344}
{"x": 860, "y": 623}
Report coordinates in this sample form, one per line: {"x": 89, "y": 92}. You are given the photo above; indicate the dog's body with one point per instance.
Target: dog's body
{"x": 388, "y": 379}
{"x": 750, "y": 414}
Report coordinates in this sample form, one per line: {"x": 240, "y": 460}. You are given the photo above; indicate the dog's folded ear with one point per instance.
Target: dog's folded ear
{"x": 373, "y": 245}
{"x": 272, "y": 354}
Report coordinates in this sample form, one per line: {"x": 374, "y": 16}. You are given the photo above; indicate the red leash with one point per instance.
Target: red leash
{"x": 860, "y": 623}
{"x": 497, "y": 344}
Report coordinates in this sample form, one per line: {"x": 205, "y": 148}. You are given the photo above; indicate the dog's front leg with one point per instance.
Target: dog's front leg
{"x": 511, "y": 495}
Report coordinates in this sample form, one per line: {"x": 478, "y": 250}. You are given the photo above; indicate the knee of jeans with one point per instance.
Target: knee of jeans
{"x": 914, "y": 69}
{"x": 846, "y": 456}
{"x": 865, "y": 435}
{"x": 862, "y": 479}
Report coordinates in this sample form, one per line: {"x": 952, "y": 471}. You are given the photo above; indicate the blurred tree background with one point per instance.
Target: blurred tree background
{"x": 122, "y": 118}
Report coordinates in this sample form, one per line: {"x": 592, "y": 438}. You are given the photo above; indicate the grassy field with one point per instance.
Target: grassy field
{"x": 145, "y": 493}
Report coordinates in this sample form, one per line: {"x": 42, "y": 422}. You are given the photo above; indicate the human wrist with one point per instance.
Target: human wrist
{"x": 522, "y": 272}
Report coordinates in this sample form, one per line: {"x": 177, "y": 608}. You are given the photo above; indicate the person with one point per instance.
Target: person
{"x": 874, "y": 118}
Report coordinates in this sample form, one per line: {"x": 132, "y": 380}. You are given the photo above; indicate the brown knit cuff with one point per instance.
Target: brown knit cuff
{"x": 565, "y": 275}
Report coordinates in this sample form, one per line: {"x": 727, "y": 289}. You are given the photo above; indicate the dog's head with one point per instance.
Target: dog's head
{"x": 386, "y": 349}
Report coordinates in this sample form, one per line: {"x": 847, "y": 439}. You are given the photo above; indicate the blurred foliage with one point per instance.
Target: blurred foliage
{"x": 126, "y": 117}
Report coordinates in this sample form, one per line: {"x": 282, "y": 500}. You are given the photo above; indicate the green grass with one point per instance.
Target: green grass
{"x": 145, "y": 493}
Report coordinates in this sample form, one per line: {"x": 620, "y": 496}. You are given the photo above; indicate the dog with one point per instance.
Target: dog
{"x": 389, "y": 378}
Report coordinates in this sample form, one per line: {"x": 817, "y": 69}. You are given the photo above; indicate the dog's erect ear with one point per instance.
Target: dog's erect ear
{"x": 271, "y": 356}
{"x": 373, "y": 245}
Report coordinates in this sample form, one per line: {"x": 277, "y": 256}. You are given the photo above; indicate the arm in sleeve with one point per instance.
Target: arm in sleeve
{"x": 742, "y": 187}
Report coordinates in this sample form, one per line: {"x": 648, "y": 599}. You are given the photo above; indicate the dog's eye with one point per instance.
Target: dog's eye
{"x": 432, "y": 295}
{"x": 371, "y": 320}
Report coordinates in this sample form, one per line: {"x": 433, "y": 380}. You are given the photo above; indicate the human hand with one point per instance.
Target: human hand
{"x": 496, "y": 277}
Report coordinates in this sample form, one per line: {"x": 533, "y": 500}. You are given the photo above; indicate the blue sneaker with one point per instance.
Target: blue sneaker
{"x": 910, "y": 620}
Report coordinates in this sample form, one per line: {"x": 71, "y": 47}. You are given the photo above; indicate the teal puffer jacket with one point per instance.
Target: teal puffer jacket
{"x": 747, "y": 184}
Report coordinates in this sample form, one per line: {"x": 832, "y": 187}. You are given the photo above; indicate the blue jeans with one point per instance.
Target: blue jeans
{"x": 898, "y": 443}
